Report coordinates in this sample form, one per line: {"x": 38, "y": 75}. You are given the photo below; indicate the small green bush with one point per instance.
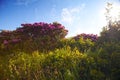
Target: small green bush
{"x": 61, "y": 64}
{"x": 83, "y": 45}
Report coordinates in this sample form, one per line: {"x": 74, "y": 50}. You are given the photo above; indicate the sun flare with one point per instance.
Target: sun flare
{"x": 114, "y": 12}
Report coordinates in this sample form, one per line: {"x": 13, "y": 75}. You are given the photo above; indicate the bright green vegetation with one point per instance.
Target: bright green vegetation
{"x": 40, "y": 51}
{"x": 61, "y": 64}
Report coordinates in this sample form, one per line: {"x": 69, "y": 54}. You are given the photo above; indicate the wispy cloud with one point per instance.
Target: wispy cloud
{"x": 68, "y": 15}
{"x": 24, "y": 2}
{"x": 71, "y": 18}
{"x": 54, "y": 13}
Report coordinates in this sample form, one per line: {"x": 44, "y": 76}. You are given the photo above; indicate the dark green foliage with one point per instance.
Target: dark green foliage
{"x": 79, "y": 42}
{"x": 108, "y": 45}
{"x": 111, "y": 32}
{"x": 83, "y": 57}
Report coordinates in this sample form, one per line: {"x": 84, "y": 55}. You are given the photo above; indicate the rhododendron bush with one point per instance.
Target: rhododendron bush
{"x": 92, "y": 37}
{"x": 83, "y": 42}
{"x": 38, "y": 36}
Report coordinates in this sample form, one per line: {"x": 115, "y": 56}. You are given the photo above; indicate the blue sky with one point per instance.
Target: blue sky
{"x": 78, "y": 16}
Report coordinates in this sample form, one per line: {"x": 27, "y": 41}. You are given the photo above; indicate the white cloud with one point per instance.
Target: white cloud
{"x": 25, "y": 2}
{"x": 68, "y": 15}
{"x": 53, "y": 13}
{"x": 71, "y": 18}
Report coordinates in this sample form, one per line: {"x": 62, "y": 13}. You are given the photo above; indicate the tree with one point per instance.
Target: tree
{"x": 112, "y": 30}
{"x": 109, "y": 44}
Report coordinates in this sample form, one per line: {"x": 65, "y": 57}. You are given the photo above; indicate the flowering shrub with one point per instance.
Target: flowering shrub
{"x": 38, "y": 36}
{"x": 41, "y": 29}
{"x": 81, "y": 44}
{"x": 86, "y": 36}
{"x": 75, "y": 57}
{"x": 8, "y": 37}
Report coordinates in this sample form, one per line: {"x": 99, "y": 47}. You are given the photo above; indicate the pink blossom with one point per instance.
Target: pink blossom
{"x": 5, "y": 42}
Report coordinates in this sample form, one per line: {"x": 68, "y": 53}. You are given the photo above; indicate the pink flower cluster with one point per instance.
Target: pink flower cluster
{"x": 87, "y": 36}
{"x": 47, "y": 34}
{"x": 13, "y": 41}
{"x": 42, "y": 29}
